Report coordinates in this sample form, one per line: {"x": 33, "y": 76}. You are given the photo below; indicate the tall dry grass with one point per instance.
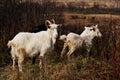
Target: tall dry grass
{"x": 103, "y": 63}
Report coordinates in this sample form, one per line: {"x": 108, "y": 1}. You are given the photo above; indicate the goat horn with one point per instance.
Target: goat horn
{"x": 47, "y": 22}
{"x": 52, "y": 21}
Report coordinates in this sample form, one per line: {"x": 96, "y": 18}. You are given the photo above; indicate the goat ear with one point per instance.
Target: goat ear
{"x": 96, "y": 25}
{"x": 85, "y": 27}
{"x": 53, "y": 21}
{"x": 47, "y": 22}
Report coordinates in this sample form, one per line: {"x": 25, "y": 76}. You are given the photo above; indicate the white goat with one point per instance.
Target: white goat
{"x": 74, "y": 41}
{"x": 32, "y": 44}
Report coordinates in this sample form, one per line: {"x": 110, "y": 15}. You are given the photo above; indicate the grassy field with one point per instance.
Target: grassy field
{"x": 77, "y": 69}
{"x": 103, "y": 64}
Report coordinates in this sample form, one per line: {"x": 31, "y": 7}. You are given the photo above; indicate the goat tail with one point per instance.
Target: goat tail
{"x": 10, "y": 44}
{"x": 63, "y": 37}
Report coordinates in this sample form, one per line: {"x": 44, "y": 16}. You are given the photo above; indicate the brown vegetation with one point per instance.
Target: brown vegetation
{"x": 104, "y": 61}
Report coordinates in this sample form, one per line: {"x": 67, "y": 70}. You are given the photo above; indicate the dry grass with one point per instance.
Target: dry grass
{"x": 77, "y": 69}
{"x": 84, "y": 19}
{"x": 103, "y": 64}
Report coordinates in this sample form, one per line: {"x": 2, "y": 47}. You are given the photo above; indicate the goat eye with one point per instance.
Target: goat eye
{"x": 49, "y": 27}
{"x": 91, "y": 29}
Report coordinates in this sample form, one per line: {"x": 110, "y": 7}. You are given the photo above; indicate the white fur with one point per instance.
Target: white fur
{"x": 31, "y": 44}
{"x": 74, "y": 41}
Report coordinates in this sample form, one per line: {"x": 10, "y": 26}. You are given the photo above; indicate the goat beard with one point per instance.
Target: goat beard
{"x": 53, "y": 41}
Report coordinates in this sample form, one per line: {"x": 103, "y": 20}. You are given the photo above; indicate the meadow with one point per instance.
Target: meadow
{"x": 104, "y": 60}
{"x": 102, "y": 64}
